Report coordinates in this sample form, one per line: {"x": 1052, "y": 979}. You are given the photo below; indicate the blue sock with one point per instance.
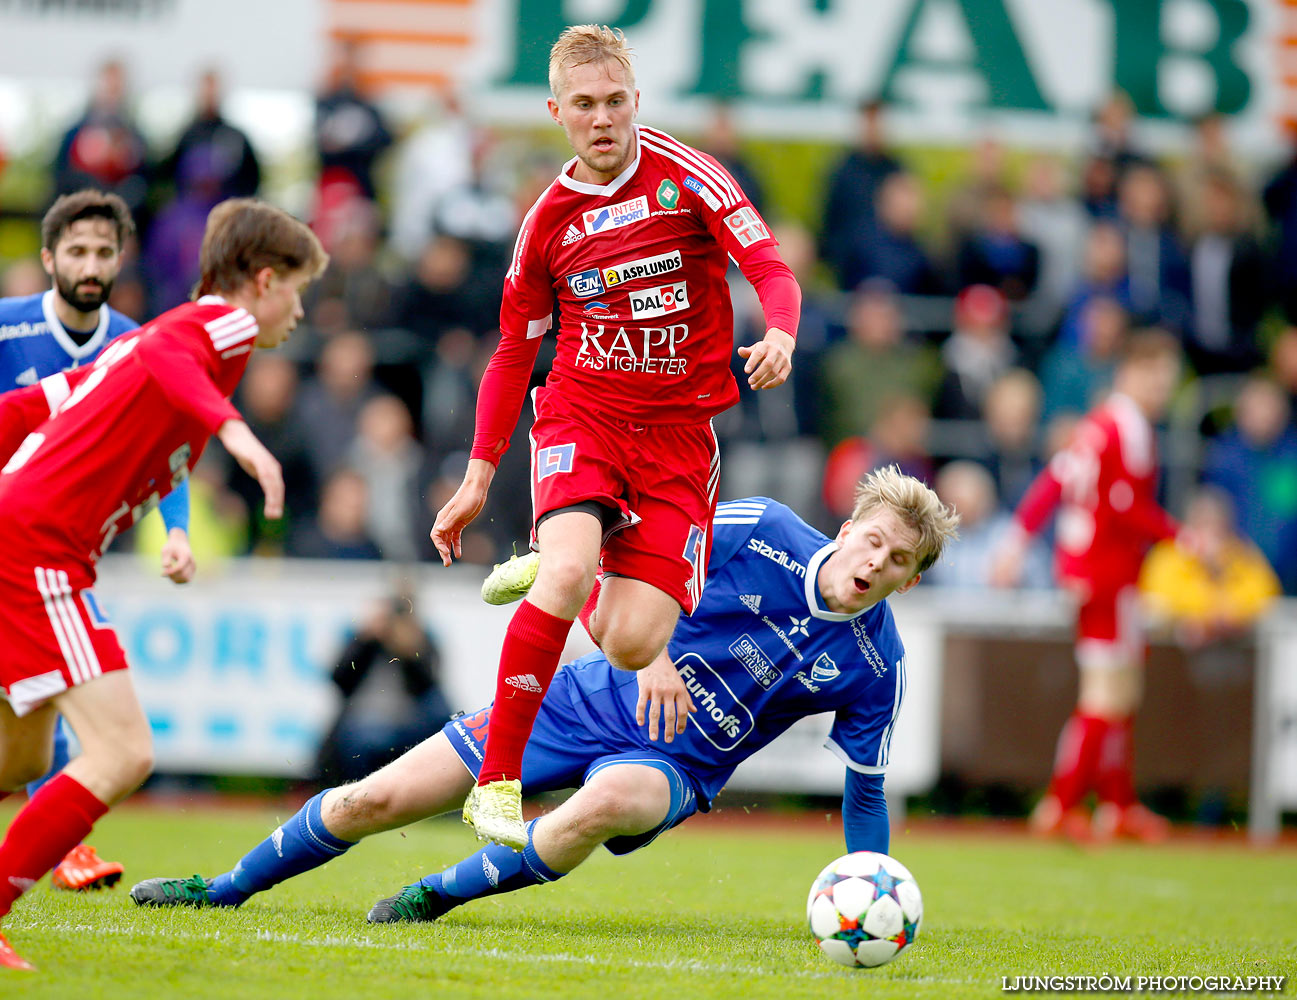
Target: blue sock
{"x": 300, "y": 844}
{"x": 493, "y": 869}
{"x": 60, "y": 757}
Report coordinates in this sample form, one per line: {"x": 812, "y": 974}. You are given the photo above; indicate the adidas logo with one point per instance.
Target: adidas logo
{"x": 572, "y": 235}
{"x": 525, "y": 682}
{"x": 752, "y": 602}
{"x": 491, "y": 872}
{"x": 277, "y": 839}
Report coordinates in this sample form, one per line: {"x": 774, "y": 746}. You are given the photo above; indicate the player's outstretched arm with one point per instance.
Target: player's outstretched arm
{"x": 664, "y": 695}
{"x": 256, "y": 461}
{"x": 769, "y": 361}
{"x": 460, "y": 510}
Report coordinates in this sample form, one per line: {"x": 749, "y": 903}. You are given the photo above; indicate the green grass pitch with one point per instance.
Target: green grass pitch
{"x": 714, "y": 909}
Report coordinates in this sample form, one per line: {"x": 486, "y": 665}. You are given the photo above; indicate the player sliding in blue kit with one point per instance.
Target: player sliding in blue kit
{"x": 66, "y": 327}
{"x": 791, "y": 624}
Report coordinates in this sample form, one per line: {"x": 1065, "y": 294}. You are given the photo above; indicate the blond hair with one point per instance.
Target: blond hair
{"x": 914, "y": 504}
{"x": 587, "y": 43}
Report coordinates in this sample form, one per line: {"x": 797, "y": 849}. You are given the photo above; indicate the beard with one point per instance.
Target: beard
{"x": 87, "y": 301}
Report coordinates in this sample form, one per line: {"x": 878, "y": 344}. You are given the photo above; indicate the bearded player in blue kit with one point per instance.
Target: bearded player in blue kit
{"x": 791, "y": 624}
{"x": 82, "y": 239}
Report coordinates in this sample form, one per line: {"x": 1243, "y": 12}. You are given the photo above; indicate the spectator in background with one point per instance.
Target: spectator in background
{"x": 1156, "y": 266}
{"x": 1012, "y": 421}
{"x": 1056, "y": 223}
{"x": 218, "y": 517}
{"x": 966, "y": 208}
{"x": 899, "y": 434}
{"x": 23, "y": 277}
{"x": 387, "y": 456}
{"x": 890, "y": 247}
{"x": 1105, "y": 276}
{"x": 1279, "y": 196}
{"x": 995, "y": 253}
{"x": 271, "y": 405}
{"x": 350, "y": 135}
{"x": 331, "y": 401}
{"x": 354, "y": 277}
{"x": 1112, "y": 140}
{"x": 1228, "y": 278}
{"x": 1283, "y": 364}
{"x": 445, "y": 291}
{"x": 434, "y": 159}
{"x": 1076, "y": 376}
{"x": 977, "y": 353}
{"x": 480, "y": 210}
{"x": 1214, "y": 589}
{"x": 851, "y": 192}
{"x": 450, "y": 381}
{"x": 104, "y": 149}
{"x": 1099, "y": 188}
{"x": 873, "y": 361}
{"x": 1255, "y": 463}
{"x": 983, "y": 526}
{"x": 212, "y": 161}
{"x": 388, "y": 675}
{"x": 338, "y": 530}
{"x": 723, "y": 142}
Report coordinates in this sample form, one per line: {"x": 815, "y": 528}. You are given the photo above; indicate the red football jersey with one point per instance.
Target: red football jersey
{"x": 637, "y": 269}
{"x": 1103, "y": 484}
{"x": 122, "y": 433}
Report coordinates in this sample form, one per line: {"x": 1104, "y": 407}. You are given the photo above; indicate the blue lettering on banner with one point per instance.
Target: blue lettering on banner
{"x": 162, "y": 643}
{"x": 557, "y": 458}
{"x": 240, "y": 642}
{"x": 223, "y": 728}
{"x": 301, "y": 662}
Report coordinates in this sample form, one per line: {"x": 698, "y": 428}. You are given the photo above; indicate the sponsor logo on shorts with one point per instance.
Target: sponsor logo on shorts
{"x": 722, "y": 719}
{"x": 660, "y": 301}
{"x": 747, "y": 226}
{"x": 703, "y": 192}
{"x": 525, "y": 682}
{"x": 668, "y": 194}
{"x": 585, "y": 283}
{"x": 554, "y": 459}
{"x": 644, "y": 267}
{"x": 625, "y": 213}
{"x": 755, "y": 661}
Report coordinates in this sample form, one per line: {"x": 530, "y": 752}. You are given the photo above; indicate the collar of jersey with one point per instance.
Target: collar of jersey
{"x": 73, "y": 349}
{"x": 614, "y": 185}
{"x": 813, "y": 591}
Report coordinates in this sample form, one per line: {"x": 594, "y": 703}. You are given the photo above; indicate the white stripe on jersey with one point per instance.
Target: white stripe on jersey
{"x": 690, "y": 159}
{"x": 739, "y": 512}
{"x": 885, "y": 744}
{"x": 56, "y": 389}
{"x": 233, "y": 329}
{"x": 69, "y": 630}
{"x": 515, "y": 259}
{"x": 231, "y": 318}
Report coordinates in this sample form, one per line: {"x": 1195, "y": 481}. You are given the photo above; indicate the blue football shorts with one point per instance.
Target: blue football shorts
{"x": 562, "y": 753}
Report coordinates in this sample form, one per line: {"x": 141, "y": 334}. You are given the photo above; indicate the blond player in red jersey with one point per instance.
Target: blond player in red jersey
{"x": 631, "y": 242}
{"x": 1103, "y": 486}
{"x": 103, "y": 445}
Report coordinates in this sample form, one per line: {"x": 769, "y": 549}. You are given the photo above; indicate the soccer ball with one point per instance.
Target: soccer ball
{"x": 864, "y": 909}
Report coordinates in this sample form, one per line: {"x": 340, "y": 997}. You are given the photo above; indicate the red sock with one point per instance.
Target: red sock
{"x": 1077, "y": 758}
{"x": 1116, "y": 779}
{"x": 53, "y": 821}
{"x": 532, "y": 645}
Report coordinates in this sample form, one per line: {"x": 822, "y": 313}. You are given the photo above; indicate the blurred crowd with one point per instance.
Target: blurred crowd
{"x": 957, "y": 339}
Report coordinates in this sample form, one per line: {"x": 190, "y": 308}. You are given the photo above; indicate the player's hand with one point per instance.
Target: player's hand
{"x": 770, "y": 361}
{"x": 663, "y": 693}
{"x": 177, "y": 557}
{"x": 255, "y": 459}
{"x": 460, "y": 510}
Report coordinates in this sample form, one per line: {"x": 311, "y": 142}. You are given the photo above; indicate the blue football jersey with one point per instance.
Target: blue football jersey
{"x": 760, "y": 652}
{"x": 34, "y": 344}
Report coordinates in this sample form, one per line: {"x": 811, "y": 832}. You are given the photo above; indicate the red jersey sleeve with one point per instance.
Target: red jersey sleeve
{"x": 780, "y": 295}
{"x": 179, "y": 366}
{"x": 1042, "y": 497}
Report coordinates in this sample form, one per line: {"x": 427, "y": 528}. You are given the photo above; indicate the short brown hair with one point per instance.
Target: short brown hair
{"x": 244, "y": 235}
{"x": 1147, "y": 344}
{"x": 86, "y": 204}
{"x": 587, "y": 43}
{"x": 914, "y": 504}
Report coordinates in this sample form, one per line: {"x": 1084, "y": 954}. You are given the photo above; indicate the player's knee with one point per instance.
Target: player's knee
{"x": 629, "y": 648}
{"x": 619, "y": 805}
{"x": 355, "y": 810}
{"x": 566, "y": 577}
{"x": 136, "y": 764}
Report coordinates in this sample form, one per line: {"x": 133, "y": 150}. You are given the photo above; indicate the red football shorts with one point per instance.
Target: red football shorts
{"x": 55, "y": 635}
{"x": 1109, "y": 625}
{"x": 661, "y": 478}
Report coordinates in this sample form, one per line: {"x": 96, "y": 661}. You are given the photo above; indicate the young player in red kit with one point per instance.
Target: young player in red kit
{"x": 1103, "y": 485}
{"x": 104, "y": 444}
{"x": 632, "y": 241}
